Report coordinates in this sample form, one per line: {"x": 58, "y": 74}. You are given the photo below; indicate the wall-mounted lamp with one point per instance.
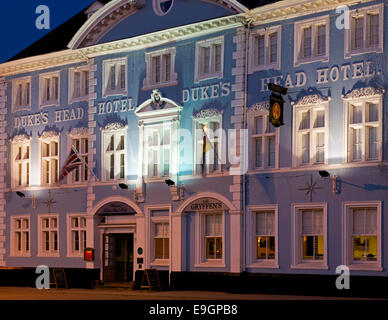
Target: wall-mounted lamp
{"x": 123, "y": 186}
{"x": 33, "y": 198}
{"x": 177, "y": 193}
{"x": 334, "y": 178}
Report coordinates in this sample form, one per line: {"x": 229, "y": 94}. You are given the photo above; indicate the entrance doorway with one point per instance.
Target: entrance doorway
{"x": 118, "y": 257}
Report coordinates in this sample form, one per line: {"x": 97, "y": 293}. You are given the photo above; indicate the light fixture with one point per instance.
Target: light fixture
{"x": 123, "y": 186}
{"x": 334, "y": 186}
{"x": 169, "y": 182}
{"x": 33, "y": 198}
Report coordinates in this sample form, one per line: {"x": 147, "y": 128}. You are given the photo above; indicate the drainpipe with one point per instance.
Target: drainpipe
{"x": 247, "y": 26}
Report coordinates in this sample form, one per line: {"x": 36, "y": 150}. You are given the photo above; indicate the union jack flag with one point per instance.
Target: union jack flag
{"x": 72, "y": 162}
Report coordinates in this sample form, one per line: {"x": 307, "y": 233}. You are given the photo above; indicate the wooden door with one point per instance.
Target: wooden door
{"x": 109, "y": 258}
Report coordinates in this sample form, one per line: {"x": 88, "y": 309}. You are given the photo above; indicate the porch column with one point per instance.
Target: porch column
{"x": 178, "y": 242}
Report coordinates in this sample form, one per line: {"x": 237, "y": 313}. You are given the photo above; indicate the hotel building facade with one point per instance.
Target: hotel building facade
{"x": 149, "y": 92}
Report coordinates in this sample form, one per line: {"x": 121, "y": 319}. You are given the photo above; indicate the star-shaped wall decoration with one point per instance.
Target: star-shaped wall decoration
{"x": 310, "y": 188}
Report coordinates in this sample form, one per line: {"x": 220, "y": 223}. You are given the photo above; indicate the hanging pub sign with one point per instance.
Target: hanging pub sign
{"x": 205, "y": 205}
{"x": 276, "y": 103}
{"x": 89, "y": 254}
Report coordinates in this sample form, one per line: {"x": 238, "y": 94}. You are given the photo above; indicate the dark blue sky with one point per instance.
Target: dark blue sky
{"x": 18, "y": 21}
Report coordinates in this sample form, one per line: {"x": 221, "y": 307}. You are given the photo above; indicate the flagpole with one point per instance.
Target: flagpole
{"x": 84, "y": 162}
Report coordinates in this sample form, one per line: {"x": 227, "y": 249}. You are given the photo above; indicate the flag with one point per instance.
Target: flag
{"x": 72, "y": 162}
{"x": 207, "y": 145}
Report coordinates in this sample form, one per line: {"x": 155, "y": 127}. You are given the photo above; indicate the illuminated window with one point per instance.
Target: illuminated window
{"x": 264, "y": 141}
{"x": 265, "y": 49}
{"x": 213, "y": 236}
{"x": 366, "y": 31}
{"x": 209, "y": 59}
{"x": 161, "y": 241}
{"x": 20, "y": 236}
{"x": 364, "y": 129}
{"x": 49, "y": 87}
{"x": 20, "y": 163}
{"x": 78, "y": 84}
{"x": 310, "y": 134}
{"x": 265, "y": 235}
{"x": 309, "y": 240}
{"x": 160, "y": 69}
{"x": 80, "y": 173}
{"x": 158, "y": 150}
{"x": 311, "y": 40}
{"x": 114, "y": 153}
{"x": 48, "y": 240}
{"x": 21, "y": 94}
{"x": 49, "y": 160}
{"x": 76, "y": 235}
{"x": 362, "y": 231}
{"x": 115, "y": 77}
{"x": 208, "y": 148}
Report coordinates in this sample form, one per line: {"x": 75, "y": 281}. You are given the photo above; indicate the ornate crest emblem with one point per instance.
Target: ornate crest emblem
{"x": 156, "y": 97}
{"x": 162, "y": 7}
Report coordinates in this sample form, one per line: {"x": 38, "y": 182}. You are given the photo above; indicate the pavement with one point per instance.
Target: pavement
{"x": 102, "y": 293}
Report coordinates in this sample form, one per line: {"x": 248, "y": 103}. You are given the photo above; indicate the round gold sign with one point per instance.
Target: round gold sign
{"x": 276, "y": 111}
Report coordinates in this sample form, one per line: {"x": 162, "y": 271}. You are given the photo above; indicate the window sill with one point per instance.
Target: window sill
{"x": 114, "y": 93}
{"x": 15, "y": 255}
{"x": 160, "y": 262}
{"x": 350, "y": 53}
{"x": 21, "y": 108}
{"x": 310, "y": 265}
{"x": 75, "y": 255}
{"x": 311, "y": 60}
{"x": 211, "y": 264}
{"x": 204, "y": 77}
{"x": 78, "y": 99}
{"x": 52, "y": 255}
{"x": 49, "y": 104}
{"x": 255, "y": 68}
{"x": 365, "y": 267}
{"x": 159, "y": 85}
{"x": 263, "y": 264}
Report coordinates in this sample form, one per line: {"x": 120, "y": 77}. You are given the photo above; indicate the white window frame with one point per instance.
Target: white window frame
{"x": 25, "y": 163}
{"x": 198, "y": 145}
{"x": 106, "y": 134}
{"x": 25, "y": 104}
{"x": 79, "y": 229}
{"x": 297, "y": 261}
{"x": 154, "y": 221}
{"x": 81, "y": 169}
{"x": 364, "y": 12}
{"x": 362, "y": 101}
{"x": 297, "y": 133}
{"x": 200, "y": 243}
{"x": 347, "y": 256}
{"x": 252, "y": 261}
{"x": 84, "y": 84}
{"x": 149, "y": 83}
{"x": 41, "y": 252}
{"x": 13, "y": 246}
{"x": 44, "y": 101}
{"x": 198, "y": 75}
{"x": 53, "y": 178}
{"x": 106, "y": 67}
{"x": 298, "y": 38}
{"x": 264, "y": 138}
{"x": 158, "y": 148}
{"x": 266, "y": 32}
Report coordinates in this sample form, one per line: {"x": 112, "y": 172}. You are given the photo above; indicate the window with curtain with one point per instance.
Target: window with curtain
{"x": 213, "y": 236}
{"x": 161, "y": 241}
{"x": 364, "y": 234}
{"x": 312, "y": 234}
{"x": 265, "y": 235}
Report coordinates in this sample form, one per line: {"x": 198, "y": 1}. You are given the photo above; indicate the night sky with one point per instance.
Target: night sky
{"x": 18, "y": 20}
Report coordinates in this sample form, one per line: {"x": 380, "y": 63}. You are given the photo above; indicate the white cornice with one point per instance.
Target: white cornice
{"x": 140, "y": 42}
{"x": 289, "y": 9}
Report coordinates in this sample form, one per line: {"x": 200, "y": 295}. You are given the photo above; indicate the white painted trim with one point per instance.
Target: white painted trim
{"x": 363, "y": 12}
{"x": 346, "y": 234}
{"x": 296, "y": 254}
{"x": 125, "y": 200}
{"x": 40, "y": 252}
{"x": 88, "y": 228}
{"x": 42, "y": 88}
{"x": 209, "y": 43}
{"x": 12, "y": 244}
{"x": 266, "y": 32}
{"x": 15, "y": 83}
{"x": 117, "y": 63}
{"x": 70, "y": 88}
{"x": 252, "y": 261}
{"x": 298, "y": 37}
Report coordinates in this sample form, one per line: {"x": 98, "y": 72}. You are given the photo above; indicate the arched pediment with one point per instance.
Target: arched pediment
{"x": 121, "y": 19}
